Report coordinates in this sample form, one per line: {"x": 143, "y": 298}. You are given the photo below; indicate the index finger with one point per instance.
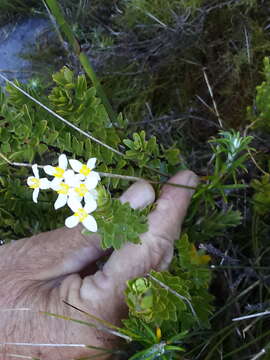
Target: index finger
{"x": 155, "y": 251}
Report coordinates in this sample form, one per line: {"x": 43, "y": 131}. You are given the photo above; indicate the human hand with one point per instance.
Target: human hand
{"x": 40, "y": 272}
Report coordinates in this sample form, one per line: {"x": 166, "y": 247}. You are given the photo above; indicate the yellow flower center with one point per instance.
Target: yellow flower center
{"x": 82, "y": 214}
{"x": 58, "y": 172}
{"x": 85, "y": 170}
{"x": 81, "y": 190}
{"x": 64, "y": 188}
{"x": 35, "y": 183}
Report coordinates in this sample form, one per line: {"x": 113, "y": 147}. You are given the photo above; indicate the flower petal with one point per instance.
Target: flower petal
{"x": 68, "y": 174}
{"x": 30, "y": 180}
{"x": 55, "y": 182}
{"x": 35, "y": 194}
{"x": 62, "y": 161}
{"x": 92, "y": 194}
{"x": 74, "y": 204}
{"x": 96, "y": 174}
{"x": 91, "y": 163}
{"x": 44, "y": 184}
{"x": 50, "y": 170}
{"x": 72, "y": 179}
{"x": 61, "y": 201}
{"x": 90, "y": 223}
{"x": 35, "y": 170}
{"x": 73, "y": 194}
{"x": 72, "y": 221}
{"x": 75, "y": 164}
{"x": 90, "y": 205}
{"x": 92, "y": 180}
{"x": 55, "y": 185}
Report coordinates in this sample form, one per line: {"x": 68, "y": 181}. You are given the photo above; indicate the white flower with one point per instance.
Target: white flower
{"x": 34, "y": 182}
{"x": 58, "y": 171}
{"x": 81, "y": 214}
{"x": 91, "y": 177}
{"x": 64, "y": 188}
{"x": 84, "y": 191}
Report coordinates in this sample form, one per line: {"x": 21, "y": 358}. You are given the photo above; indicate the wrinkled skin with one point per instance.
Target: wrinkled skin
{"x": 42, "y": 271}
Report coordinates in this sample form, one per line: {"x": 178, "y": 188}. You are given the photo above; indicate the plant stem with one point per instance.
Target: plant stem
{"x": 109, "y": 175}
{"x": 84, "y": 60}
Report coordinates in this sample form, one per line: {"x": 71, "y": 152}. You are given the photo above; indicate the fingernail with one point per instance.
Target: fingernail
{"x": 139, "y": 195}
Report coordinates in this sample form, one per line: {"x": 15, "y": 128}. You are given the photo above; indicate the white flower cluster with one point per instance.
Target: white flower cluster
{"x": 75, "y": 187}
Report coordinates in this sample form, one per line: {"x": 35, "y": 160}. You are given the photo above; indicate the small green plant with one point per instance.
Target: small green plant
{"x": 261, "y": 198}
{"x": 262, "y": 99}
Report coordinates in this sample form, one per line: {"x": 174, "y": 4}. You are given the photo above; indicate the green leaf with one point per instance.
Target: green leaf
{"x": 152, "y": 303}
{"x": 120, "y": 225}
{"x": 261, "y": 197}
{"x": 172, "y": 156}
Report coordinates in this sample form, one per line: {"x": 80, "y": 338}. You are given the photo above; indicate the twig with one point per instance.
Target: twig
{"x": 251, "y": 316}
{"x": 61, "y": 118}
{"x": 212, "y": 97}
{"x": 46, "y": 345}
{"x": 109, "y": 175}
{"x": 135, "y": 178}
{"x": 20, "y": 356}
{"x": 244, "y": 292}
{"x": 17, "y": 163}
{"x": 205, "y": 104}
{"x": 247, "y": 44}
{"x": 260, "y": 354}
{"x": 249, "y": 152}
{"x": 14, "y": 309}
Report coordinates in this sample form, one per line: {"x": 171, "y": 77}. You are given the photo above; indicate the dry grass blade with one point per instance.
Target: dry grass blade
{"x": 98, "y": 327}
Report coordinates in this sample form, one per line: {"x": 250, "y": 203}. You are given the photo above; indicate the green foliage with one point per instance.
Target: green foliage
{"x": 29, "y": 134}
{"x": 73, "y": 99}
{"x": 12, "y": 9}
{"x": 152, "y": 303}
{"x": 155, "y": 11}
{"x": 19, "y": 216}
{"x": 114, "y": 231}
{"x": 148, "y": 152}
{"x": 152, "y": 72}
{"x": 191, "y": 265}
{"x": 163, "y": 298}
{"x": 261, "y": 197}
{"x": 145, "y": 152}
{"x": 263, "y": 98}
{"x": 169, "y": 305}
{"x": 214, "y": 224}
{"x": 230, "y": 152}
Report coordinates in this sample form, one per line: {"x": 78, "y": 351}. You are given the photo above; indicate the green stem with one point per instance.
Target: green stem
{"x": 85, "y": 62}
